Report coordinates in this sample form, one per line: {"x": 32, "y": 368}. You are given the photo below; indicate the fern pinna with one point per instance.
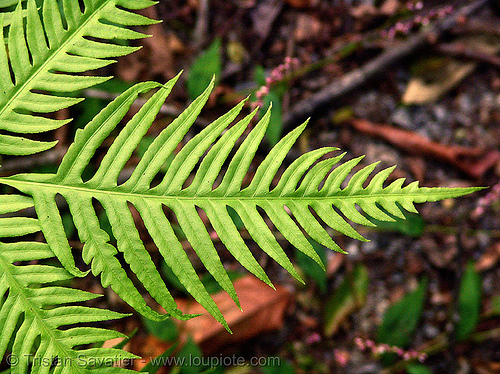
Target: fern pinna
{"x": 46, "y": 50}
{"x": 304, "y": 185}
{"x": 32, "y": 311}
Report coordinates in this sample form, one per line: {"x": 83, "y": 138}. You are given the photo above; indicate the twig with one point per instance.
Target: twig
{"x": 103, "y": 95}
{"x": 29, "y": 162}
{"x": 439, "y": 344}
{"x": 265, "y": 13}
{"x": 475, "y": 162}
{"x": 461, "y": 51}
{"x": 201, "y": 27}
{"x": 356, "y": 78}
{"x": 478, "y": 26}
{"x": 165, "y": 109}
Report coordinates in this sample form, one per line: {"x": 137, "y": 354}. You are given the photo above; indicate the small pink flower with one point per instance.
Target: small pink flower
{"x": 341, "y": 357}
{"x": 360, "y": 343}
{"x": 313, "y": 338}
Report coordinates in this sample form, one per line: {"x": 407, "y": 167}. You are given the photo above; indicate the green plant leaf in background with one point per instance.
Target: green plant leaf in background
{"x": 259, "y": 75}
{"x": 157, "y": 363}
{"x": 188, "y": 356}
{"x": 311, "y": 268}
{"x": 273, "y": 133}
{"x": 401, "y": 319}
{"x": 204, "y": 68}
{"x": 164, "y": 330}
{"x": 275, "y": 128}
{"x": 418, "y": 369}
{"x": 411, "y": 225}
{"x": 495, "y": 306}
{"x": 284, "y": 367}
{"x": 469, "y": 302}
{"x": 350, "y": 295}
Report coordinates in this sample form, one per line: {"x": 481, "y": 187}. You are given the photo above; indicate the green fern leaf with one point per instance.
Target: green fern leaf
{"x": 44, "y": 55}
{"x": 32, "y": 311}
{"x": 306, "y": 184}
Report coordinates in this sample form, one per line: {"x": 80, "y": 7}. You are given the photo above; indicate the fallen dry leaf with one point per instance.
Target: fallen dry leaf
{"x": 150, "y": 347}
{"x": 263, "y": 309}
{"x": 426, "y": 89}
{"x": 158, "y": 56}
{"x": 474, "y": 162}
{"x": 308, "y": 28}
{"x": 387, "y": 8}
{"x": 301, "y": 4}
{"x": 489, "y": 258}
{"x": 334, "y": 263}
{"x": 440, "y": 253}
{"x": 421, "y": 91}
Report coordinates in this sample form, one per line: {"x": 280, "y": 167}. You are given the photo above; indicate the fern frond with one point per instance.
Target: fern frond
{"x": 32, "y": 312}
{"x": 305, "y": 185}
{"x": 44, "y": 55}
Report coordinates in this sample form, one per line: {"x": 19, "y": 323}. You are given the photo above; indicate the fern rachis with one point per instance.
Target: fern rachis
{"x": 306, "y": 184}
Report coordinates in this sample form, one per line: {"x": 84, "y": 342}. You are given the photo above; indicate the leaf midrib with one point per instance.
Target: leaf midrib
{"x": 132, "y": 196}
{"x": 19, "y": 89}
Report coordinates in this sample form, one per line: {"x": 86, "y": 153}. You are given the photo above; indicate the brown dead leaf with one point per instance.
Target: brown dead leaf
{"x": 158, "y": 56}
{"x": 414, "y": 264}
{"x": 441, "y": 298}
{"x": 308, "y": 28}
{"x": 440, "y": 253}
{"x": 426, "y": 89}
{"x": 150, "y": 347}
{"x": 363, "y": 10}
{"x": 422, "y": 91}
{"x": 162, "y": 50}
{"x": 387, "y": 8}
{"x": 474, "y": 162}
{"x": 263, "y": 309}
{"x": 301, "y": 4}
{"x": 489, "y": 258}
{"x": 334, "y": 263}
{"x": 112, "y": 342}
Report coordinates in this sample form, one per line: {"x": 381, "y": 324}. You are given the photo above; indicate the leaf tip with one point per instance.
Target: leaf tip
{"x": 73, "y": 270}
